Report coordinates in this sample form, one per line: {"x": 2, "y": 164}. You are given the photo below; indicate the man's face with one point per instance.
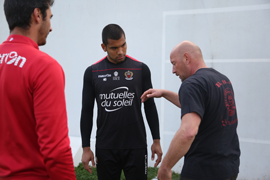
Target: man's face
{"x": 116, "y": 49}
{"x": 179, "y": 67}
{"x": 45, "y": 28}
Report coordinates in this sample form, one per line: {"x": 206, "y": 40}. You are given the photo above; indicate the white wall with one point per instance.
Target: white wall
{"x": 234, "y": 38}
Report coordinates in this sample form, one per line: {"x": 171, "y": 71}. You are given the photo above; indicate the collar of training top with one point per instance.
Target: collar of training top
{"x": 15, "y": 38}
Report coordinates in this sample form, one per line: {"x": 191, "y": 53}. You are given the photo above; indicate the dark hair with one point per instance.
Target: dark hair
{"x": 111, "y": 31}
{"x": 18, "y": 12}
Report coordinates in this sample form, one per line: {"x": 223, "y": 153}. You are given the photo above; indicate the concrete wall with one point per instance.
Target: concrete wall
{"x": 234, "y": 38}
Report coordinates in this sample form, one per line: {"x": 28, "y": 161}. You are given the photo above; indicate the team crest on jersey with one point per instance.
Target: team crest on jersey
{"x": 129, "y": 75}
{"x": 116, "y": 77}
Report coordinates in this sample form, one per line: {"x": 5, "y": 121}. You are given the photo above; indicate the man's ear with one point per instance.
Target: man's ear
{"x": 36, "y": 16}
{"x": 187, "y": 57}
{"x": 104, "y": 47}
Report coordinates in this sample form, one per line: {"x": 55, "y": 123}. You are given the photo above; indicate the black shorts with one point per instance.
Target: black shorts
{"x": 111, "y": 162}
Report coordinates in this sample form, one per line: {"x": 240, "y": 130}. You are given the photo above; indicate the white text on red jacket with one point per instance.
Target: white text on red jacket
{"x": 12, "y": 58}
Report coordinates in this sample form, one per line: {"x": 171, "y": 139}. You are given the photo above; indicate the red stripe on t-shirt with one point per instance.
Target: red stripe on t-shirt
{"x": 126, "y": 55}
{"x": 134, "y": 69}
{"x": 100, "y": 60}
{"x": 133, "y": 58}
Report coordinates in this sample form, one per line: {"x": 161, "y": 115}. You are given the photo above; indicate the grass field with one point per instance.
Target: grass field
{"x": 82, "y": 174}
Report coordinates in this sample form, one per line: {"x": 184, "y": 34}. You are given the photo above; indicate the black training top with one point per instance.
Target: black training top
{"x": 214, "y": 153}
{"x": 117, "y": 89}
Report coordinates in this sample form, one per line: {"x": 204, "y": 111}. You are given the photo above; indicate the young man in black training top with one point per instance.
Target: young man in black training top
{"x": 117, "y": 83}
{"x": 207, "y": 137}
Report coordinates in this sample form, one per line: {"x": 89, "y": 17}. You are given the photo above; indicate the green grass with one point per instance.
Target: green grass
{"x": 82, "y": 174}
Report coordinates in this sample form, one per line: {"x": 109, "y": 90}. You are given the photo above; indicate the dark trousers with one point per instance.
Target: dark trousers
{"x": 111, "y": 162}
{"x": 231, "y": 178}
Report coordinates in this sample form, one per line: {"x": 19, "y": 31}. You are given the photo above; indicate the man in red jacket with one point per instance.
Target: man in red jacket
{"x": 34, "y": 142}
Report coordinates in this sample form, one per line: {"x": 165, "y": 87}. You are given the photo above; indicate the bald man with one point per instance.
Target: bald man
{"x": 207, "y": 136}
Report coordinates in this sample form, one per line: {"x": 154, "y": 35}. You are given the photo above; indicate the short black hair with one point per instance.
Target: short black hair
{"x": 18, "y": 12}
{"x": 112, "y": 31}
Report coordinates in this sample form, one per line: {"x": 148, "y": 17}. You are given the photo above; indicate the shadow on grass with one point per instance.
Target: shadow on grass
{"x": 82, "y": 174}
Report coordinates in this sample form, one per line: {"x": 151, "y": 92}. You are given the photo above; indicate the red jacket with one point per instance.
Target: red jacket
{"x": 34, "y": 142}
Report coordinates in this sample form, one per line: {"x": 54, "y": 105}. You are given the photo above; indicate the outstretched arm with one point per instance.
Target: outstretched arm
{"x": 157, "y": 93}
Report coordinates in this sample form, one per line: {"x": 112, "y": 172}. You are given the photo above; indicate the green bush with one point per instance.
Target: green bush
{"x": 82, "y": 174}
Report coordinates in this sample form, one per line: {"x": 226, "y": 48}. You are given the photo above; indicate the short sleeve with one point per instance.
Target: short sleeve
{"x": 192, "y": 98}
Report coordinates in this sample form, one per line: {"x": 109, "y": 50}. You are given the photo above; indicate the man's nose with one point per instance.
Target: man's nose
{"x": 173, "y": 70}
{"x": 120, "y": 51}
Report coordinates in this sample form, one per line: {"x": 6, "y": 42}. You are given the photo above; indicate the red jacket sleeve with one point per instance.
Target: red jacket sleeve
{"x": 51, "y": 120}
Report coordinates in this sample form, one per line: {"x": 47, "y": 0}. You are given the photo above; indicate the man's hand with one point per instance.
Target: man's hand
{"x": 157, "y": 93}
{"x": 88, "y": 156}
{"x": 164, "y": 174}
{"x": 156, "y": 149}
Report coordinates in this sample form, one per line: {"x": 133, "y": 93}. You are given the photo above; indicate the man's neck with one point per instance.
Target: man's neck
{"x": 199, "y": 66}
{"x": 23, "y": 32}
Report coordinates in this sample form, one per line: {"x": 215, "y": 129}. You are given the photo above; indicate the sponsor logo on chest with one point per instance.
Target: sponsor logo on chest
{"x": 104, "y": 76}
{"x": 116, "y": 76}
{"x": 116, "y": 99}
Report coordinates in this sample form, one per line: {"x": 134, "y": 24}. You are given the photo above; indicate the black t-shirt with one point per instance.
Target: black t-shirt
{"x": 117, "y": 89}
{"x": 214, "y": 153}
